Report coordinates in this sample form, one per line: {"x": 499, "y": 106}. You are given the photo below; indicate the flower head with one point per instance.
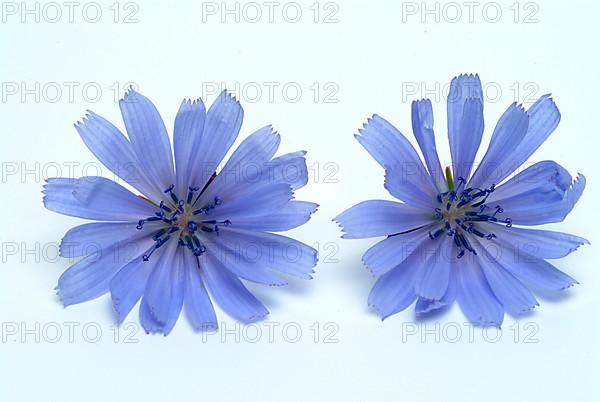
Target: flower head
{"x": 199, "y": 227}
{"x": 457, "y": 234}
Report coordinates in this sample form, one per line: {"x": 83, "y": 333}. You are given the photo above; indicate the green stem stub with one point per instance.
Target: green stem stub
{"x": 449, "y": 178}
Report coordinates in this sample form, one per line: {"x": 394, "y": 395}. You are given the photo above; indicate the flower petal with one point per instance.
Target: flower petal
{"x": 187, "y": 140}
{"x": 269, "y": 251}
{"x": 465, "y": 122}
{"x": 95, "y": 198}
{"x": 392, "y": 150}
{"x": 508, "y": 134}
{"x": 289, "y": 168}
{"x": 402, "y": 182}
{"x": 390, "y": 252}
{"x": 221, "y": 128}
{"x": 422, "y": 123}
{"x": 229, "y": 292}
{"x": 543, "y": 120}
{"x": 542, "y": 193}
{"x": 292, "y": 214}
{"x": 93, "y": 237}
{"x": 394, "y": 290}
{"x": 434, "y": 274}
{"x": 163, "y": 296}
{"x": 127, "y": 286}
{"x": 90, "y": 277}
{"x": 258, "y": 148}
{"x": 514, "y": 296}
{"x": 149, "y": 138}
{"x": 424, "y": 306}
{"x": 537, "y": 243}
{"x": 243, "y": 258}
{"x": 381, "y": 218}
{"x": 249, "y": 164}
{"x": 535, "y": 271}
{"x": 198, "y": 306}
{"x": 111, "y": 148}
{"x": 159, "y": 290}
{"x": 474, "y": 295}
{"x": 250, "y": 200}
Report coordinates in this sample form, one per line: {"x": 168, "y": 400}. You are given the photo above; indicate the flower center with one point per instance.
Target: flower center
{"x": 183, "y": 220}
{"x": 461, "y": 209}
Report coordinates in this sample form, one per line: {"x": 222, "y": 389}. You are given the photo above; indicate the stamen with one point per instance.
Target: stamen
{"x": 158, "y": 234}
{"x": 163, "y": 206}
{"x": 159, "y": 242}
{"x": 436, "y": 234}
{"x": 464, "y": 207}
{"x": 191, "y": 192}
{"x": 172, "y": 194}
{"x": 171, "y": 214}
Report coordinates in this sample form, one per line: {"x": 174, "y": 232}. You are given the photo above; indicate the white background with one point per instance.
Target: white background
{"x": 377, "y": 57}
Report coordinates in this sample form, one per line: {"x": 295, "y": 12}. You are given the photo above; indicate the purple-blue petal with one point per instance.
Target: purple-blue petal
{"x": 514, "y": 296}
{"x": 111, "y": 148}
{"x": 507, "y": 136}
{"x": 149, "y": 138}
{"x": 422, "y": 123}
{"x": 532, "y": 270}
{"x": 392, "y": 150}
{"x": 474, "y": 295}
{"x": 292, "y": 214}
{"x": 394, "y": 291}
{"x": 433, "y": 276}
{"x": 543, "y": 120}
{"x": 92, "y": 237}
{"x": 187, "y": 140}
{"x": 465, "y": 122}
{"x": 90, "y": 277}
{"x": 95, "y": 198}
{"x": 390, "y": 252}
{"x": 127, "y": 286}
{"x": 268, "y": 250}
{"x": 198, "y": 306}
{"x": 229, "y": 292}
{"x": 424, "y": 306}
{"x": 542, "y": 193}
{"x": 537, "y": 243}
{"x": 163, "y": 295}
{"x": 381, "y": 218}
{"x": 221, "y": 128}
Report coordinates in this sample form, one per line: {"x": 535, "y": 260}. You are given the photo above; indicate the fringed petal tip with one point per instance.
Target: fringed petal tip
{"x": 227, "y": 96}
{"x": 254, "y": 318}
{"x": 129, "y": 95}
{"x": 486, "y": 324}
{"x": 463, "y": 76}
{"x": 192, "y": 102}
{"x": 60, "y": 297}
{"x": 432, "y": 305}
{"x": 206, "y": 327}
{"x": 569, "y": 286}
{"x": 379, "y": 312}
{"x": 421, "y": 101}
{"x": 365, "y": 124}
{"x": 530, "y": 309}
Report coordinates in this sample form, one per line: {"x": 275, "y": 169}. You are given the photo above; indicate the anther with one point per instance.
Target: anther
{"x": 172, "y": 194}
{"x": 191, "y": 192}
{"x": 164, "y": 207}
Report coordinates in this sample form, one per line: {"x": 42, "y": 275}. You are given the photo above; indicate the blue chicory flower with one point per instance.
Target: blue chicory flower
{"x": 454, "y": 236}
{"x": 198, "y": 226}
